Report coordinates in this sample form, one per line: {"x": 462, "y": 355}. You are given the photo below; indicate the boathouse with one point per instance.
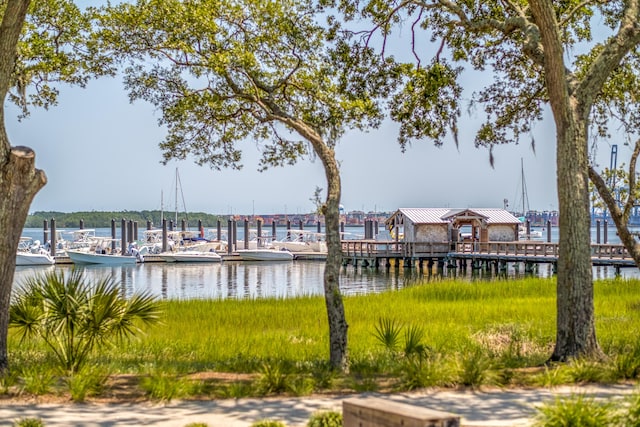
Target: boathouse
{"x": 434, "y": 231}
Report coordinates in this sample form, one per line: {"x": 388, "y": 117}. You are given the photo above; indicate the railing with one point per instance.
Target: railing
{"x": 374, "y": 248}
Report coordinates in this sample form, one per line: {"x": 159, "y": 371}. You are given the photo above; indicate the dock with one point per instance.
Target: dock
{"x": 474, "y": 255}
{"x": 487, "y": 255}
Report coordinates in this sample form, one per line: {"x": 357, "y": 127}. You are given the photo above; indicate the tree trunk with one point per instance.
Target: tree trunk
{"x": 19, "y": 183}
{"x": 19, "y": 179}
{"x": 575, "y": 335}
{"x": 338, "y": 355}
{"x": 333, "y": 298}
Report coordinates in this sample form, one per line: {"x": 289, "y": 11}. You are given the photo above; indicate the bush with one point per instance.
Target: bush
{"x": 268, "y": 423}
{"x": 576, "y": 411}
{"x": 325, "y": 419}
{"x": 73, "y": 316}
{"x": 29, "y": 422}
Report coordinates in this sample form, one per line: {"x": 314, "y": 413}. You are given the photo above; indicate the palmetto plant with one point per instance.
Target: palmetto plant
{"x": 74, "y": 316}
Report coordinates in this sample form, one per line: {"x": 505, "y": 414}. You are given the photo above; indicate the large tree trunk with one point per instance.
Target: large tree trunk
{"x": 19, "y": 183}
{"x": 338, "y": 355}
{"x": 575, "y": 335}
{"x": 19, "y": 179}
{"x": 333, "y": 298}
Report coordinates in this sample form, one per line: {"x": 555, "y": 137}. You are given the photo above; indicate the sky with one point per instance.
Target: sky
{"x": 100, "y": 152}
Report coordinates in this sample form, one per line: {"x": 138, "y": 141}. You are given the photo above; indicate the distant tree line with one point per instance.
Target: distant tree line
{"x": 99, "y": 219}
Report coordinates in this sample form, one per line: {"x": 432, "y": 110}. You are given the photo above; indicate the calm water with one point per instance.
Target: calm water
{"x": 239, "y": 280}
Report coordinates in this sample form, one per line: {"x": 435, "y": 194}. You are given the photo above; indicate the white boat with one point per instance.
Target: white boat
{"x": 101, "y": 252}
{"x": 265, "y": 255}
{"x": 82, "y": 257}
{"x": 302, "y": 241}
{"x": 190, "y": 256}
{"x": 30, "y": 252}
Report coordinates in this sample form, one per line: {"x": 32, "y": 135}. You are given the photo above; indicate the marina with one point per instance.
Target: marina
{"x": 375, "y": 258}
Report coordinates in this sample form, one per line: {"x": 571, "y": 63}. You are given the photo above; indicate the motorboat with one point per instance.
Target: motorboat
{"x": 533, "y": 234}
{"x": 190, "y": 255}
{"x": 102, "y": 251}
{"x": 265, "y": 254}
{"x": 302, "y": 241}
{"x": 31, "y": 252}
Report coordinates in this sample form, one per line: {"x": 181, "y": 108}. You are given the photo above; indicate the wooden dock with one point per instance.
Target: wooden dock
{"x": 455, "y": 255}
{"x": 488, "y": 255}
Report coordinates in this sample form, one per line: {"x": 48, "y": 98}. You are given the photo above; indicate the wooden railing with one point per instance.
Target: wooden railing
{"x": 373, "y": 248}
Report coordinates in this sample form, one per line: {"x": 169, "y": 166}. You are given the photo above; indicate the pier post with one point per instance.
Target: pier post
{"x": 259, "y": 226}
{"x": 246, "y": 233}
{"x": 171, "y": 225}
{"x": 598, "y": 231}
{"x": 229, "y": 236}
{"x": 183, "y": 225}
{"x": 219, "y": 229}
{"x": 288, "y": 230}
{"x": 528, "y": 230}
{"x": 53, "y": 247}
{"x": 113, "y": 235}
{"x": 200, "y": 229}
{"x": 165, "y": 239}
{"x": 342, "y": 227}
{"x": 548, "y": 231}
{"x": 45, "y": 234}
{"x": 274, "y": 230}
{"x": 234, "y": 225}
{"x": 123, "y": 236}
{"x": 81, "y": 224}
{"x": 605, "y": 231}
{"x": 130, "y": 231}
{"x": 149, "y": 226}
{"x": 319, "y": 226}
{"x": 135, "y": 230}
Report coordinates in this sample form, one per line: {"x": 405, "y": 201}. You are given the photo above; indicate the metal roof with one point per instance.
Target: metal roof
{"x": 444, "y": 215}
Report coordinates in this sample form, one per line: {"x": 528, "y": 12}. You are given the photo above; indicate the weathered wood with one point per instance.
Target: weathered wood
{"x": 378, "y": 412}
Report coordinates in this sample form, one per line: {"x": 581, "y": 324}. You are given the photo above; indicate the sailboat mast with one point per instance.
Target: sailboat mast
{"x": 176, "y": 220}
{"x": 523, "y": 185}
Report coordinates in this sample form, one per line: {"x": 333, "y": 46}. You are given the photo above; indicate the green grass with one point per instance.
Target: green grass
{"x": 511, "y": 323}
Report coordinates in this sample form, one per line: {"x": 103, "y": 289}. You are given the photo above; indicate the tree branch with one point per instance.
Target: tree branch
{"x": 615, "y": 49}
{"x": 555, "y": 71}
{"x": 632, "y": 197}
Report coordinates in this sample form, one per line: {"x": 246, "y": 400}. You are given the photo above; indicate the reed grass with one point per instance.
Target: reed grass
{"x": 511, "y": 323}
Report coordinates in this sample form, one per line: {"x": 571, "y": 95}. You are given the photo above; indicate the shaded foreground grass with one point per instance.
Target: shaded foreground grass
{"x": 470, "y": 334}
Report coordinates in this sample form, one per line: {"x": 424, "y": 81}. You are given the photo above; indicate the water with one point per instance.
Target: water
{"x": 243, "y": 280}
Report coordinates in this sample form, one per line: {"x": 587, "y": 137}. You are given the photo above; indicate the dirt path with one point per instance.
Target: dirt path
{"x": 497, "y": 408}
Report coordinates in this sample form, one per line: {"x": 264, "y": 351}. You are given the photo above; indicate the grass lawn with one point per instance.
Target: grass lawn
{"x": 442, "y": 333}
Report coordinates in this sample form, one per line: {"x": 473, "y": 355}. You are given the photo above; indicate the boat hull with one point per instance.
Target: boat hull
{"x": 190, "y": 257}
{"x": 265, "y": 255}
{"x": 79, "y": 257}
{"x": 34, "y": 259}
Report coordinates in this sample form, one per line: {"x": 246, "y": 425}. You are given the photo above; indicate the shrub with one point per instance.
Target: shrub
{"x": 37, "y": 380}
{"x": 273, "y": 378}
{"x": 325, "y": 419}
{"x": 575, "y": 411}
{"x": 165, "y": 386}
{"x": 268, "y": 423}
{"x": 86, "y": 382}
{"x": 73, "y": 316}
{"x": 29, "y": 422}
